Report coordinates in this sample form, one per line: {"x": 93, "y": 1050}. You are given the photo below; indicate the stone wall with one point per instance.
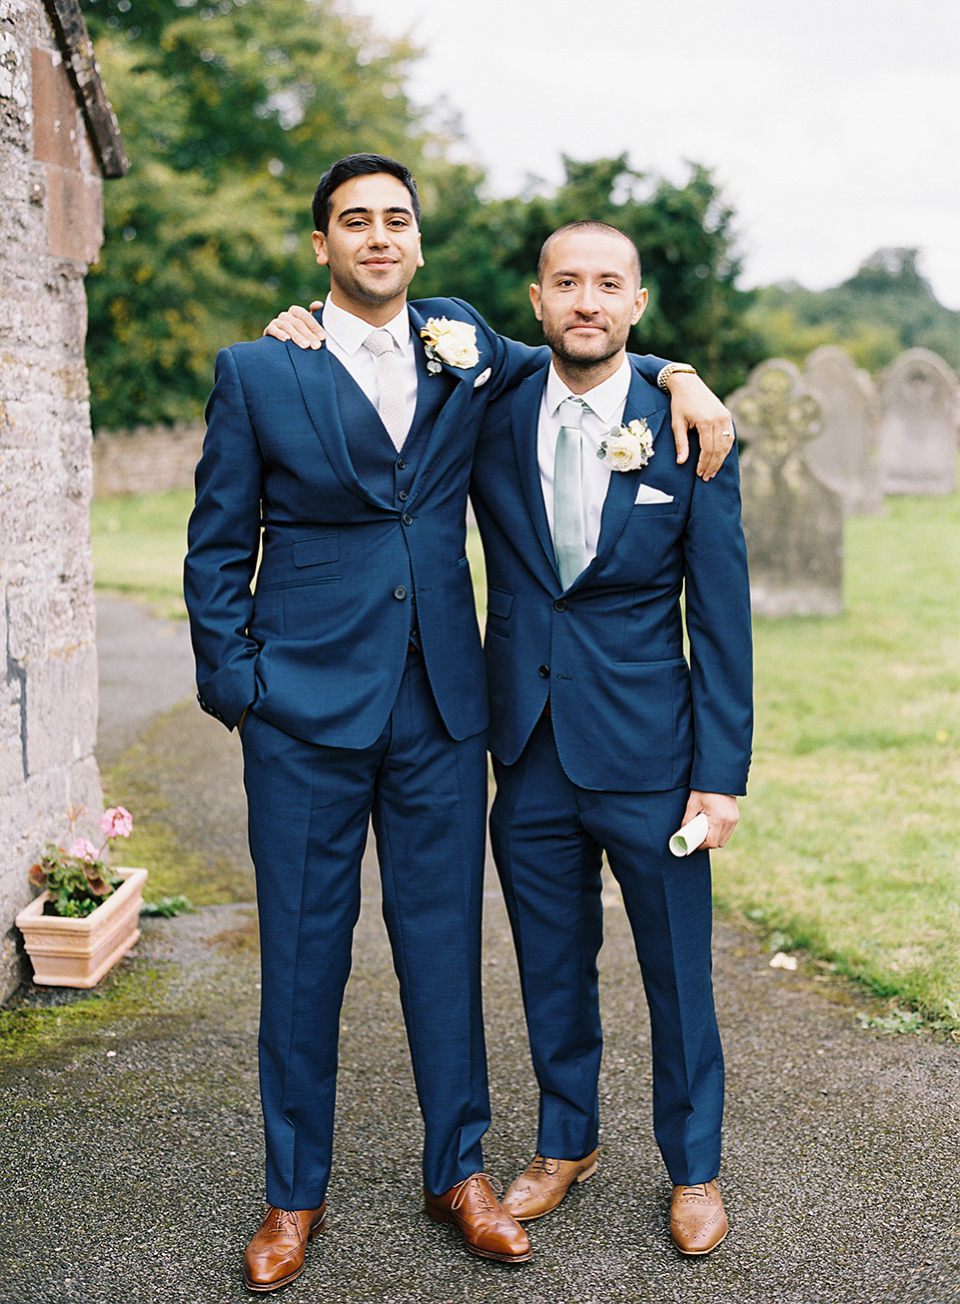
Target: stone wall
{"x": 149, "y": 459}
{"x": 50, "y": 227}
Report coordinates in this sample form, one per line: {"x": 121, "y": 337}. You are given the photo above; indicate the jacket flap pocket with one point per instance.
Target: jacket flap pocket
{"x": 313, "y": 552}
{"x": 499, "y": 603}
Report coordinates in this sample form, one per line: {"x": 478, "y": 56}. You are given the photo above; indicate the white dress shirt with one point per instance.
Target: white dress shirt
{"x": 604, "y": 412}
{"x": 345, "y": 336}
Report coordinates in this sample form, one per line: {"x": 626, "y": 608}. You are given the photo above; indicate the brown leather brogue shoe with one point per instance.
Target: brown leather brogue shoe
{"x": 541, "y": 1187}
{"x": 275, "y": 1255}
{"x": 472, "y": 1205}
{"x": 698, "y": 1220}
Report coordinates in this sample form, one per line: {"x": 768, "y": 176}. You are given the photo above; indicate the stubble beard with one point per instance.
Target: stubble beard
{"x": 579, "y": 363}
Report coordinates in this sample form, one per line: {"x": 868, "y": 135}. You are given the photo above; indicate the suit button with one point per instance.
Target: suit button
{"x": 407, "y": 518}
{"x": 400, "y": 593}
{"x": 560, "y": 604}
{"x": 401, "y": 464}
{"x": 544, "y": 672}
{"x": 402, "y": 495}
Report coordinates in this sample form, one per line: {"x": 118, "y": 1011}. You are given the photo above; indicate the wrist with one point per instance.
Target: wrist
{"x": 671, "y": 369}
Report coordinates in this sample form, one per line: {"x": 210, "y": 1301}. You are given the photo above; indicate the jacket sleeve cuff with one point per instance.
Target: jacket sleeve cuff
{"x": 732, "y": 782}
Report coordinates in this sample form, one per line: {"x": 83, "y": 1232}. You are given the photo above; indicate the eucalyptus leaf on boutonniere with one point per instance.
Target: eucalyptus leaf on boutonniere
{"x": 627, "y": 448}
{"x": 450, "y": 342}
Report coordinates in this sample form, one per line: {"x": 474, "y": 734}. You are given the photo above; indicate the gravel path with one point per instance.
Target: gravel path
{"x": 132, "y": 1160}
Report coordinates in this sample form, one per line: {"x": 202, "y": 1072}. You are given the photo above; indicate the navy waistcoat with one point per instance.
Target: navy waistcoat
{"x": 385, "y": 473}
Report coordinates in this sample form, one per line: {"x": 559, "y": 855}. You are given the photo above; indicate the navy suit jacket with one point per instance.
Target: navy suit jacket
{"x": 319, "y": 648}
{"x": 629, "y": 713}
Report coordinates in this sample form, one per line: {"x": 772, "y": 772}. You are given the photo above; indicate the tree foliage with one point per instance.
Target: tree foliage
{"x": 231, "y": 110}
{"x": 229, "y": 113}
{"x": 488, "y": 254}
{"x": 885, "y": 307}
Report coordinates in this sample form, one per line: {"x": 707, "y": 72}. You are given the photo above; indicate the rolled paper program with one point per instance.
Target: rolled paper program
{"x": 690, "y": 836}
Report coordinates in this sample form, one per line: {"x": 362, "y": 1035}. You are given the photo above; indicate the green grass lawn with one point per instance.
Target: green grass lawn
{"x": 849, "y": 841}
{"x": 138, "y": 546}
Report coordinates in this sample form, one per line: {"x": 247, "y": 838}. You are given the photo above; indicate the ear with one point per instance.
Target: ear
{"x": 535, "y": 300}
{"x": 419, "y": 253}
{"x": 640, "y": 307}
{"x": 320, "y": 248}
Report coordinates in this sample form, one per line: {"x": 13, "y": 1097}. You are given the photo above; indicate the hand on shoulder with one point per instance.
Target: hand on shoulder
{"x": 299, "y": 326}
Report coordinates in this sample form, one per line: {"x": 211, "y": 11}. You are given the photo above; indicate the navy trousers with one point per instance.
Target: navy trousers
{"x": 309, "y": 809}
{"x": 548, "y": 837}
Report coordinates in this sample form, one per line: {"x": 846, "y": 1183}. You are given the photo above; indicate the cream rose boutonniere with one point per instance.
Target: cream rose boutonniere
{"x": 627, "y": 448}
{"x": 452, "y": 342}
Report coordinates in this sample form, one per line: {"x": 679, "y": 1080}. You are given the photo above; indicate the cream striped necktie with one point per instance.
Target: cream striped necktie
{"x": 391, "y": 401}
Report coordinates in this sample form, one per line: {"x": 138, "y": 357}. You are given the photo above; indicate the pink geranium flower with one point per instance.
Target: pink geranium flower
{"x": 83, "y": 849}
{"x": 116, "y": 822}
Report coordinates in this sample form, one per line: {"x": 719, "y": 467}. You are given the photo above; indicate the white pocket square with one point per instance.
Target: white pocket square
{"x": 483, "y": 378}
{"x": 647, "y": 494}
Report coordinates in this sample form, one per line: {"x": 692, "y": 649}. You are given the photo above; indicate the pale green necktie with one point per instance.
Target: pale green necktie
{"x": 568, "y": 540}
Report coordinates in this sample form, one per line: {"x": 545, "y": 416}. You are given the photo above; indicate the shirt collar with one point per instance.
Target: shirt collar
{"x": 350, "y": 331}
{"x": 606, "y": 399}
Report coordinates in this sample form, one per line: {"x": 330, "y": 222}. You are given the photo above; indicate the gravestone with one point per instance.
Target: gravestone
{"x": 918, "y": 425}
{"x": 793, "y": 522}
{"x": 846, "y": 453}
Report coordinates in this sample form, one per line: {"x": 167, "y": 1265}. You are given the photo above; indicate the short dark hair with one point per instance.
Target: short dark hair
{"x": 586, "y": 224}
{"x": 358, "y": 165}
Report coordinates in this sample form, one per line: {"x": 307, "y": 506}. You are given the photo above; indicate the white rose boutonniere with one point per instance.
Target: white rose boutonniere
{"x": 627, "y": 448}
{"x": 452, "y": 342}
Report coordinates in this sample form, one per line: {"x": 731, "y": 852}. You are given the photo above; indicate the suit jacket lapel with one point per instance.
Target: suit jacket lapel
{"x": 525, "y": 420}
{"x": 642, "y": 401}
{"x": 450, "y": 415}
{"x": 312, "y": 367}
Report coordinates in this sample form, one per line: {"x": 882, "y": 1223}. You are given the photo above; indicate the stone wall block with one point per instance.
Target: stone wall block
{"x": 61, "y": 707}
{"x": 27, "y": 621}
{"x": 11, "y": 749}
{"x": 28, "y": 504}
{"x": 20, "y": 376}
{"x": 72, "y": 613}
{"x": 74, "y": 215}
{"x": 149, "y": 459}
{"x": 59, "y": 124}
{"x": 77, "y": 464}
{"x": 14, "y": 84}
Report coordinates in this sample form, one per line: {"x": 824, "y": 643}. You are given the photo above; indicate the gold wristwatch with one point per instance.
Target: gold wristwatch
{"x": 667, "y": 371}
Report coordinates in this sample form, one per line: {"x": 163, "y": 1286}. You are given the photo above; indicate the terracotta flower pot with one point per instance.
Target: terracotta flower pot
{"x": 78, "y": 952}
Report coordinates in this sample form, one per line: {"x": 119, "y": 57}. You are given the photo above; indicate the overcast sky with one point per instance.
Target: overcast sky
{"x": 832, "y": 126}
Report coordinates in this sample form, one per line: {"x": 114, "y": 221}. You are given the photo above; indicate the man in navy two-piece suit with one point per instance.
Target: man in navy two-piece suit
{"x": 603, "y": 737}
{"x": 353, "y": 673}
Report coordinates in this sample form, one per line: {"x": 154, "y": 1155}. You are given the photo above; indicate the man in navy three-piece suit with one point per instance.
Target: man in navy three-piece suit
{"x": 603, "y": 737}
{"x": 354, "y": 673}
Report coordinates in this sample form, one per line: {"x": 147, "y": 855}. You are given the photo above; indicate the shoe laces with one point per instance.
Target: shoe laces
{"x": 697, "y": 1191}
{"x": 284, "y": 1220}
{"x": 482, "y": 1193}
{"x": 547, "y": 1167}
